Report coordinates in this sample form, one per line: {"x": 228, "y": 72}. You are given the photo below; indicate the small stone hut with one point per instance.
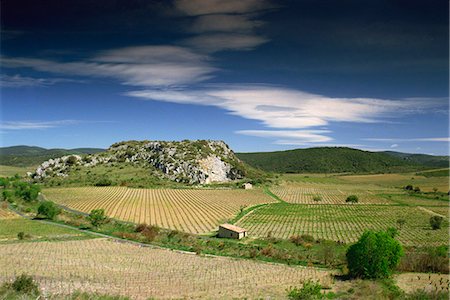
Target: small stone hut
{"x": 231, "y": 231}
{"x": 247, "y": 186}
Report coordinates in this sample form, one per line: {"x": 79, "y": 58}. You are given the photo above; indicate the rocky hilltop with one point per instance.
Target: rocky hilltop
{"x": 193, "y": 162}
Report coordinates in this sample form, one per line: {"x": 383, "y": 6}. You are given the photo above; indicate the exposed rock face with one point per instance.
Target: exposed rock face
{"x": 201, "y": 161}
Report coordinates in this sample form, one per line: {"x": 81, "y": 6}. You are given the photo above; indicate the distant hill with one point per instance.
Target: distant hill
{"x": 422, "y": 159}
{"x": 25, "y": 156}
{"x": 339, "y": 160}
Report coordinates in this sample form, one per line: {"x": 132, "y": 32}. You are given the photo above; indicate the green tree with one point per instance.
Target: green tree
{"x": 97, "y": 217}
{"x": 436, "y": 222}
{"x": 352, "y": 199}
{"x": 27, "y": 191}
{"x": 48, "y": 210}
{"x": 375, "y": 255}
{"x": 7, "y": 195}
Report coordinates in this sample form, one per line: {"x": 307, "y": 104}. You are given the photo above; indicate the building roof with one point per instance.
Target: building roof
{"x": 233, "y": 228}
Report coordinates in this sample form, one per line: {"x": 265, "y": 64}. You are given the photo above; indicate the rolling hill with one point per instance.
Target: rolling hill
{"x": 25, "y": 156}
{"x": 339, "y": 160}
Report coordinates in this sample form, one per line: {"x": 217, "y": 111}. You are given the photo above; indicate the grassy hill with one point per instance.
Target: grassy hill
{"x": 422, "y": 159}
{"x": 338, "y": 160}
{"x": 25, "y": 156}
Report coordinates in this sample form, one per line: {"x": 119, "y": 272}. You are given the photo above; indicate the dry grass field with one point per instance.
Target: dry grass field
{"x": 7, "y": 171}
{"x": 188, "y": 210}
{"x": 104, "y": 266}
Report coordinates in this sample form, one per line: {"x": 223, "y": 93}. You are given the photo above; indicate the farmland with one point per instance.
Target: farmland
{"x": 109, "y": 267}
{"x": 342, "y": 222}
{"x": 329, "y": 194}
{"x": 188, "y": 210}
{"x": 11, "y": 224}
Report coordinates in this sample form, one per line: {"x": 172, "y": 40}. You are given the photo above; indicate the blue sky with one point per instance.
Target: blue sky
{"x": 260, "y": 75}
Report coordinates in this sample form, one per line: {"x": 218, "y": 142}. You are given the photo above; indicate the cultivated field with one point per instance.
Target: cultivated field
{"x": 105, "y": 266}
{"x": 344, "y": 222}
{"x": 5, "y": 213}
{"x": 188, "y": 210}
{"x": 328, "y": 194}
{"x": 400, "y": 180}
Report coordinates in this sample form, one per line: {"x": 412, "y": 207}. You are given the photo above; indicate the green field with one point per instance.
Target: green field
{"x": 342, "y": 222}
{"x": 8, "y": 171}
{"x": 9, "y": 228}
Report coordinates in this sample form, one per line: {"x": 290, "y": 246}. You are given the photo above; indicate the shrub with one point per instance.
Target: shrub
{"x": 24, "y": 284}
{"x": 401, "y": 222}
{"x": 308, "y": 238}
{"x": 408, "y": 187}
{"x": 375, "y": 255}
{"x": 150, "y": 232}
{"x": 310, "y": 290}
{"x": 296, "y": 239}
{"x": 48, "y": 210}
{"x": 104, "y": 181}
{"x": 21, "y": 235}
{"x": 140, "y": 227}
{"x": 71, "y": 160}
{"x": 417, "y": 189}
{"x": 27, "y": 191}
{"x": 7, "y": 195}
{"x": 436, "y": 222}
{"x": 97, "y": 217}
{"x": 317, "y": 198}
{"x": 352, "y": 199}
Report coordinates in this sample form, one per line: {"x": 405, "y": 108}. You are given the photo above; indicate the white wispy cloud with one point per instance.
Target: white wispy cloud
{"x": 204, "y": 7}
{"x": 28, "y": 125}
{"x": 149, "y": 66}
{"x": 224, "y": 23}
{"x": 292, "y": 136}
{"x": 426, "y": 139}
{"x": 278, "y": 107}
{"x": 225, "y": 41}
{"x": 16, "y": 81}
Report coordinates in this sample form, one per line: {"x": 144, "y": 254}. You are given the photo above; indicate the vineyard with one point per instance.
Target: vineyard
{"x": 6, "y": 214}
{"x": 104, "y": 266}
{"x": 188, "y": 210}
{"x": 325, "y": 194}
{"x": 343, "y": 222}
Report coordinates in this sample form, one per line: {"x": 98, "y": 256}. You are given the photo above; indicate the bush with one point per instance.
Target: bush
{"x": 310, "y": 290}
{"x": 296, "y": 239}
{"x": 417, "y": 189}
{"x": 71, "y": 160}
{"x": 21, "y": 235}
{"x": 352, "y": 199}
{"x": 104, "y": 181}
{"x": 375, "y": 255}
{"x": 97, "y": 217}
{"x": 24, "y": 284}
{"x": 317, "y": 198}
{"x": 27, "y": 191}
{"x": 408, "y": 187}
{"x": 436, "y": 222}
{"x": 150, "y": 232}
{"x": 48, "y": 210}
